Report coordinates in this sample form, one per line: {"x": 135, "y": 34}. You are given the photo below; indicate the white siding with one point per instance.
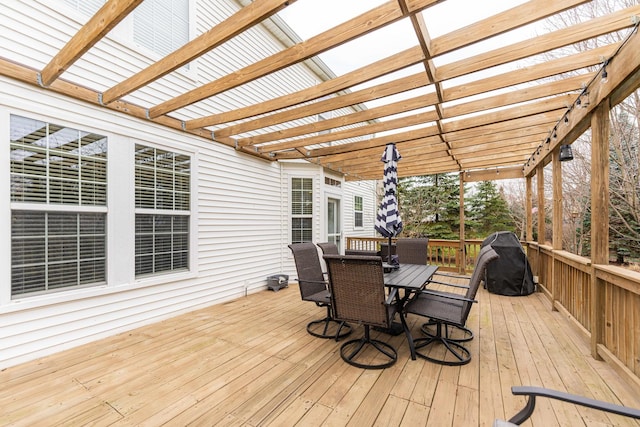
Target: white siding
{"x": 238, "y": 224}
{"x": 367, "y": 190}
{"x": 241, "y": 211}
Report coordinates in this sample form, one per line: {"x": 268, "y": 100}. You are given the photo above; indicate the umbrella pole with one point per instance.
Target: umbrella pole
{"x": 389, "y": 252}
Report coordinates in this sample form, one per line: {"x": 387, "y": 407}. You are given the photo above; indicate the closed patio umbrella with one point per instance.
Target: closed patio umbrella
{"x": 388, "y": 222}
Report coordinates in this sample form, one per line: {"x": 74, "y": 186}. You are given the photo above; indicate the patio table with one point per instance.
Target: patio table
{"x": 409, "y": 278}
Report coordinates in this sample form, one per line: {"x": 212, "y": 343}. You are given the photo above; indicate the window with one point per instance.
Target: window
{"x": 332, "y": 182}
{"x": 162, "y": 210}
{"x": 301, "y": 210}
{"x": 357, "y": 211}
{"x": 161, "y": 26}
{"x": 58, "y": 207}
{"x": 322, "y": 117}
{"x": 87, "y": 7}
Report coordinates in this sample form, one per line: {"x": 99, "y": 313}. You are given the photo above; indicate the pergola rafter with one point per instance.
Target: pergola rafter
{"x": 463, "y": 115}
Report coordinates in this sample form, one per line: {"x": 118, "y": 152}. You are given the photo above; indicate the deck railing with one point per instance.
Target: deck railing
{"x": 603, "y": 301}
{"x": 443, "y": 253}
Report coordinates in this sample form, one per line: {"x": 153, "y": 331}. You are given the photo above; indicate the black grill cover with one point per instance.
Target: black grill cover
{"x": 511, "y": 273}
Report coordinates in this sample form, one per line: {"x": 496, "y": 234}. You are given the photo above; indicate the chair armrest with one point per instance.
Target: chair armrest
{"x": 453, "y": 285}
{"x": 313, "y": 281}
{"x": 533, "y": 392}
{"x": 437, "y": 273}
{"x": 447, "y": 295}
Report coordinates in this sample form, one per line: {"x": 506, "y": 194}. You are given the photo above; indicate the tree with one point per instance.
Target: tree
{"x": 489, "y": 211}
{"x": 624, "y": 183}
{"x": 429, "y": 206}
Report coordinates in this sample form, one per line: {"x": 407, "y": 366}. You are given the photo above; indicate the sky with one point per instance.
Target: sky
{"x": 311, "y": 17}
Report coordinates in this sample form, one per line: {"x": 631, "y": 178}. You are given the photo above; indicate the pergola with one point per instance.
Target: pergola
{"x": 506, "y": 124}
{"x": 469, "y": 119}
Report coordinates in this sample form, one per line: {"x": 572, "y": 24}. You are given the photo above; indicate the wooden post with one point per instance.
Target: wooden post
{"x": 540, "y": 182}
{"x": 529, "y": 209}
{"x": 556, "y": 223}
{"x": 463, "y": 254}
{"x": 557, "y": 199}
{"x": 599, "y": 217}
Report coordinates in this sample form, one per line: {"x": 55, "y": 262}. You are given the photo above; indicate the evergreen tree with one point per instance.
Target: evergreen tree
{"x": 430, "y": 206}
{"x": 489, "y": 211}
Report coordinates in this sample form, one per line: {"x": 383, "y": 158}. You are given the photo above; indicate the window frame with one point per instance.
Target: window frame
{"x": 119, "y": 211}
{"x": 357, "y": 211}
{"x": 158, "y": 213}
{"x": 308, "y": 216}
{"x": 52, "y": 209}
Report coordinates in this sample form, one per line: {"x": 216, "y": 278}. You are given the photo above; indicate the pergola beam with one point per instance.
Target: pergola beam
{"x": 107, "y": 17}
{"x": 393, "y": 87}
{"x": 245, "y": 18}
{"x": 365, "y": 23}
{"x": 500, "y": 23}
{"x": 621, "y": 68}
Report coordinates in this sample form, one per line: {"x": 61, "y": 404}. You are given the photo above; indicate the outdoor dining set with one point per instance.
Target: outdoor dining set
{"x": 365, "y": 290}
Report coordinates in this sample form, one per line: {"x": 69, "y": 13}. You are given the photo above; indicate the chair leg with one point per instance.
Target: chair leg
{"x": 462, "y": 355}
{"x": 467, "y": 334}
{"x": 351, "y": 349}
{"x": 328, "y": 327}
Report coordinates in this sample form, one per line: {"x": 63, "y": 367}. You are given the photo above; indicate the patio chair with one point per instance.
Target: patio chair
{"x": 313, "y": 287}
{"x": 446, "y": 309}
{"x": 329, "y": 248}
{"x": 412, "y": 251}
{"x": 358, "y": 296}
{"x": 459, "y": 333}
{"x": 533, "y": 392}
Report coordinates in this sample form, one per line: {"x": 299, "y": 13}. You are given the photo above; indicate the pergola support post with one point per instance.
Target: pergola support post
{"x": 541, "y": 223}
{"x": 599, "y": 217}
{"x": 529, "y": 209}
{"x": 556, "y": 244}
{"x": 463, "y": 255}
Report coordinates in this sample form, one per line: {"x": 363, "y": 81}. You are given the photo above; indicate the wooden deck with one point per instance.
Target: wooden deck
{"x": 250, "y": 362}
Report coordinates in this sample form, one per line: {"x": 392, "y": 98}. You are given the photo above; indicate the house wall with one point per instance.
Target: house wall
{"x": 240, "y": 214}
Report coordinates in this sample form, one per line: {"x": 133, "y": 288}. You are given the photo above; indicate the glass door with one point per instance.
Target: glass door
{"x": 333, "y": 222}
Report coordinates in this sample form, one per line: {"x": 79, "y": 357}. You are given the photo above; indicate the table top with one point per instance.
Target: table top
{"x": 410, "y": 276}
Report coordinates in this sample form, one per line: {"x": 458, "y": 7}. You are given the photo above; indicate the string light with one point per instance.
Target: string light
{"x": 579, "y": 103}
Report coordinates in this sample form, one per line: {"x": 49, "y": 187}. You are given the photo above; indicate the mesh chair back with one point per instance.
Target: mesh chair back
{"x": 310, "y": 277}
{"x": 329, "y": 248}
{"x": 486, "y": 255}
{"x": 357, "y": 289}
{"x": 412, "y": 251}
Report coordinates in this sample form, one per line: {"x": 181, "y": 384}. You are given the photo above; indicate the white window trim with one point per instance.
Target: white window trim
{"x": 314, "y": 215}
{"x": 358, "y": 227}
{"x": 161, "y": 278}
{"x": 123, "y": 188}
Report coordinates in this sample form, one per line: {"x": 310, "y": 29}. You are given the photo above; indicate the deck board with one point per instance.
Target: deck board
{"x": 250, "y": 362}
